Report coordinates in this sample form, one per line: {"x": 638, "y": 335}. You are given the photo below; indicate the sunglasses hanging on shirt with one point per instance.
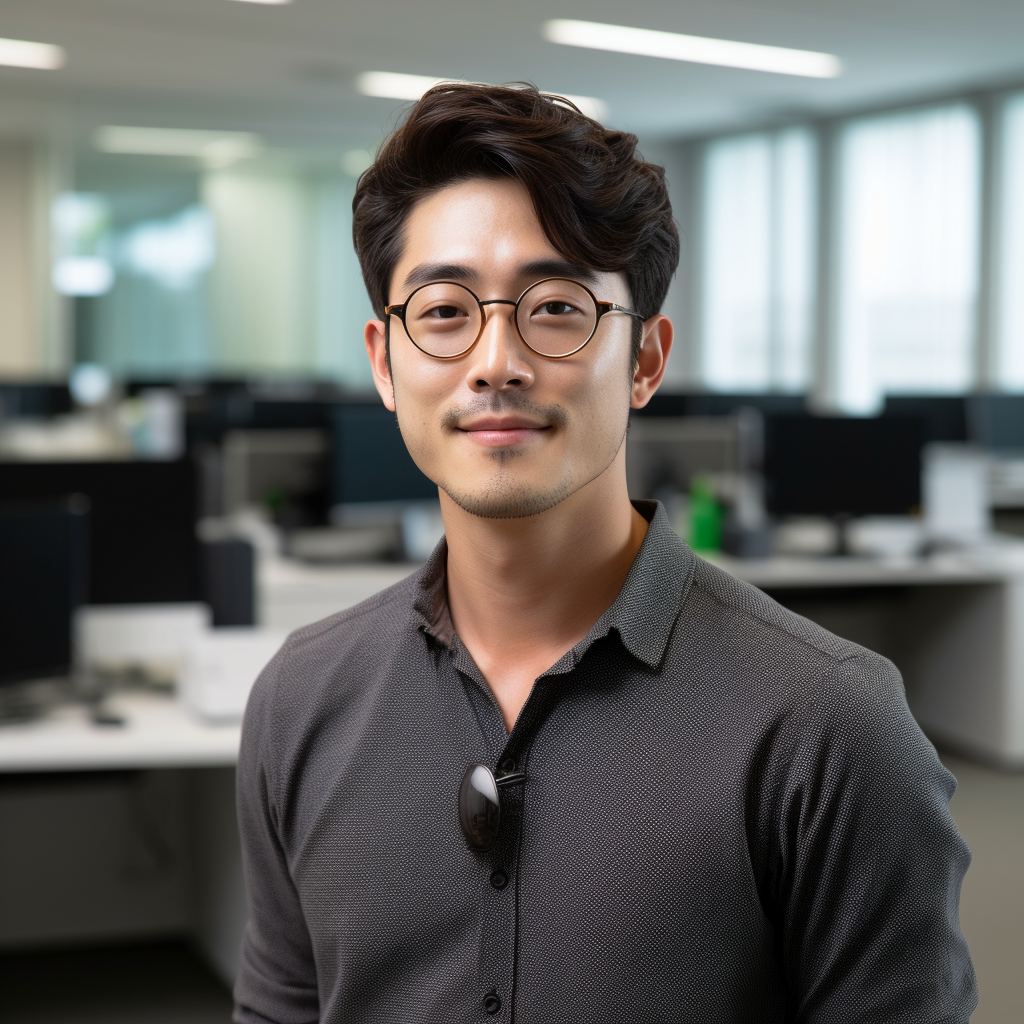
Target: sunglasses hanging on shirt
{"x": 480, "y": 805}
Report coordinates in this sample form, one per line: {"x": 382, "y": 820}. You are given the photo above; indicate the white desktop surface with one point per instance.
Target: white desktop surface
{"x": 157, "y": 733}
{"x": 796, "y": 571}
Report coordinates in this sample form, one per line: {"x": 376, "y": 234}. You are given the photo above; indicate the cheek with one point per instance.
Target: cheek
{"x": 422, "y": 392}
{"x": 421, "y": 383}
{"x": 602, "y": 392}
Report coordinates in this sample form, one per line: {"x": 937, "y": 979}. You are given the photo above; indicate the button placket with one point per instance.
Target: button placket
{"x": 498, "y": 909}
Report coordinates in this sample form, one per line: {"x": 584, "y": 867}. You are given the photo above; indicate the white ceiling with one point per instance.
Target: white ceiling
{"x": 287, "y": 71}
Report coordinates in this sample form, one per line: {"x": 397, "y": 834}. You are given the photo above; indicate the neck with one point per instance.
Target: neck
{"x": 524, "y": 591}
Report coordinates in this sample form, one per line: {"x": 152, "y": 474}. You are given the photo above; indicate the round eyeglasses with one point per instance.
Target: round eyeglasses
{"x": 555, "y": 317}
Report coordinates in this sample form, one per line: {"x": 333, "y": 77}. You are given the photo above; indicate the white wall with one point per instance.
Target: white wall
{"x": 32, "y": 327}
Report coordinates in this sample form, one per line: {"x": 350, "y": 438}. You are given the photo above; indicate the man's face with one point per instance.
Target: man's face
{"x": 503, "y": 431}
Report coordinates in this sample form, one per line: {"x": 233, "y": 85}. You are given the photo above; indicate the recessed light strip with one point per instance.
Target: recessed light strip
{"x": 215, "y": 149}
{"x": 393, "y": 85}
{"x": 697, "y": 49}
{"x": 19, "y": 53}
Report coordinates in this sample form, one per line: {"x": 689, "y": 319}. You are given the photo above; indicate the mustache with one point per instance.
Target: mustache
{"x": 510, "y": 401}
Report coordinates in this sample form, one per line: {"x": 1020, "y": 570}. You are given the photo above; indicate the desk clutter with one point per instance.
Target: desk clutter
{"x": 175, "y": 569}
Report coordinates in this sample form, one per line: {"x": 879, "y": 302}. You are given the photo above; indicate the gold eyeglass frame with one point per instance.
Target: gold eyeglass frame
{"x": 398, "y": 309}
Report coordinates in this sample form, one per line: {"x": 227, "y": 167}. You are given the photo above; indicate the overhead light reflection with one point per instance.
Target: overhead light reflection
{"x": 697, "y": 49}
{"x": 19, "y": 53}
{"x": 215, "y": 149}
{"x": 394, "y": 85}
{"x": 83, "y": 275}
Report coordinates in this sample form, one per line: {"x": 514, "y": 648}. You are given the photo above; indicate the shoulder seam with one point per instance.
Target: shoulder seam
{"x": 835, "y": 659}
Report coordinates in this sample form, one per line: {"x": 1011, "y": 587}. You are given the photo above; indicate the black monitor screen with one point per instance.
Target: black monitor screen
{"x": 943, "y": 417}
{"x": 997, "y": 421}
{"x": 371, "y": 462}
{"x": 839, "y": 466}
{"x": 714, "y": 403}
{"x": 42, "y": 581}
{"x": 142, "y": 523}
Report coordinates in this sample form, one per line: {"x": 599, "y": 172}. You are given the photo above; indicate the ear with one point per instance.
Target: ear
{"x": 376, "y": 348}
{"x": 652, "y": 361}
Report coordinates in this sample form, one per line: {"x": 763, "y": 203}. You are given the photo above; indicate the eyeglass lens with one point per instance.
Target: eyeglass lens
{"x": 479, "y": 807}
{"x": 555, "y": 318}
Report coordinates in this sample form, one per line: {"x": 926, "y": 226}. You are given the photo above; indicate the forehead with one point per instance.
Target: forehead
{"x": 474, "y": 218}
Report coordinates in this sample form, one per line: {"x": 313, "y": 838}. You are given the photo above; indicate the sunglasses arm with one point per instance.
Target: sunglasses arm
{"x": 510, "y": 780}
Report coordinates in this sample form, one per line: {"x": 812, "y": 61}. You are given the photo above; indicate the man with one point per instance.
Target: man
{"x": 568, "y": 771}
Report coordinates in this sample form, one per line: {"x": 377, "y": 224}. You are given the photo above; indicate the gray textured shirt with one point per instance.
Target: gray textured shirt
{"x": 729, "y": 815}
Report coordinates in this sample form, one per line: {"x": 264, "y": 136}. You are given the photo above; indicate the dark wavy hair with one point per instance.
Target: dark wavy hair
{"x": 599, "y": 203}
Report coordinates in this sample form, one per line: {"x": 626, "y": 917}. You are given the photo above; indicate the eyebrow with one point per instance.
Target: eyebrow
{"x": 425, "y": 273}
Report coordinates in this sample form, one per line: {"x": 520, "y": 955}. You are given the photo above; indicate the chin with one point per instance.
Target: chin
{"x": 507, "y": 500}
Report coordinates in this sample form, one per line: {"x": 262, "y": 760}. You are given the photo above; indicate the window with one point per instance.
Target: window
{"x": 1010, "y": 344}
{"x": 244, "y": 270}
{"x": 908, "y": 222}
{"x": 758, "y": 261}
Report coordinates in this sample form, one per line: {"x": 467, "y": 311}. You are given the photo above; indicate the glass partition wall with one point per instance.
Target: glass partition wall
{"x": 177, "y": 270}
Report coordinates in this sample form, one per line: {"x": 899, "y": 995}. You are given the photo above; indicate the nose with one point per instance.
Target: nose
{"x": 499, "y": 361}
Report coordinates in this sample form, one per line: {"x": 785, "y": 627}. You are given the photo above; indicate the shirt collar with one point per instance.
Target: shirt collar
{"x": 642, "y": 615}
{"x": 648, "y": 604}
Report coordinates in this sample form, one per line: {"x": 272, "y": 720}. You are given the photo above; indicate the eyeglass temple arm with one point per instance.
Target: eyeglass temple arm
{"x": 614, "y": 307}
{"x": 510, "y": 780}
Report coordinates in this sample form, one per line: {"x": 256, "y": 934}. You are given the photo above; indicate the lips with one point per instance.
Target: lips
{"x": 502, "y": 431}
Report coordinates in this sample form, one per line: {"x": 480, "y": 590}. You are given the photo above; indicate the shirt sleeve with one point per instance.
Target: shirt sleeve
{"x": 276, "y": 981}
{"x": 869, "y": 862}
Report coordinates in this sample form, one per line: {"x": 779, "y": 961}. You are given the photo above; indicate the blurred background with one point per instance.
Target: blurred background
{"x": 193, "y": 461}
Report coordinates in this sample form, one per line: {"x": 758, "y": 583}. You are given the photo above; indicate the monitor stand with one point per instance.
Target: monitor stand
{"x": 843, "y": 548}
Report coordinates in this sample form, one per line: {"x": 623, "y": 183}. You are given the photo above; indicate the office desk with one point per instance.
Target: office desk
{"x": 158, "y": 733}
{"x": 124, "y": 832}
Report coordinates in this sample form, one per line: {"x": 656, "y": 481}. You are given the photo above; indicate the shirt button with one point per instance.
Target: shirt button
{"x": 499, "y": 879}
{"x": 492, "y": 1002}
{"x": 508, "y": 765}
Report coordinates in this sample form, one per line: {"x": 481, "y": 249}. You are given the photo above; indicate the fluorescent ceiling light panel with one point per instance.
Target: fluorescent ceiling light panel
{"x": 589, "y": 105}
{"x": 698, "y": 49}
{"x": 18, "y": 53}
{"x": 216, "y": 149}
{"x": 395, "y": 86}
{"x": 392, "y": 85}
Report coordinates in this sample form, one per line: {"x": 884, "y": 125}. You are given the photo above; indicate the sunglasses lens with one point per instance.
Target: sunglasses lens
{"x": 479, "y": 807}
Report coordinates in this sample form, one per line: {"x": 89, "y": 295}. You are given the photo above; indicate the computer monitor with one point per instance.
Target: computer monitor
{"x": 284, "y": 472}
{"x": 716, "y": 403}
{"x": 943, "y": 417}
{"x": 43, "y": 565}
{"x": 33, "y": 400}
{"x": 665, "y": 453}
{"x": 842, "y": 467}
{"x": 142, "y": 544}
{"x": 768, "y": 403}
{"x": 370, "y": 461}
{"x": 997, "y": 421}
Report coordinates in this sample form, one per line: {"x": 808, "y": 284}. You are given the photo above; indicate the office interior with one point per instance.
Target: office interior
{"x": 193, "y": 461}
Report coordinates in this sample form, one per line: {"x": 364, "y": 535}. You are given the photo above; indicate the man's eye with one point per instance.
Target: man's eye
{"x": 556, "y": 308}
{"x": 445, "y": 312}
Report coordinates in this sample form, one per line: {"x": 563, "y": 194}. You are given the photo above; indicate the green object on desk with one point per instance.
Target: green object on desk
{"x": 706, "y": 516}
